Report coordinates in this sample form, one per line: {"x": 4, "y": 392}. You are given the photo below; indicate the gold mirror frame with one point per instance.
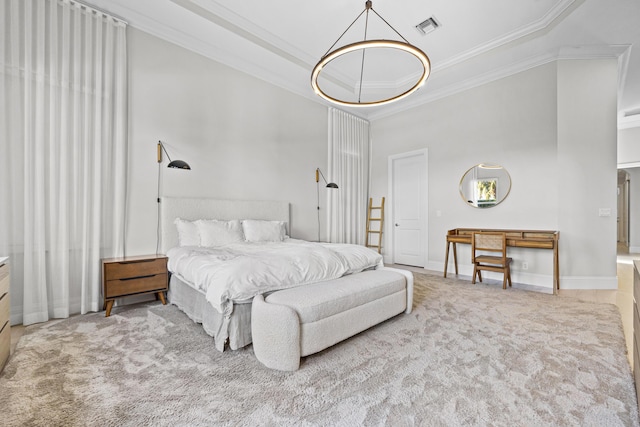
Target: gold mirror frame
{"x": 485, "y": 185}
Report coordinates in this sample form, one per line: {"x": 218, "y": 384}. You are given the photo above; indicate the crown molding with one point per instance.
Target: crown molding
{"x": 629, "y": 122}
{"x": 209, "y": 49}
{"x": 592, "y": 52}
{"x": 576, "y": 53}
{"x": 628, "y": 165}
{"x": 220, "y": 15}
{"x": 214, "y": 12}
{"x": 218, "y": 51}
{"x": 465, "y": 85}
{"x": 541, "y": 24}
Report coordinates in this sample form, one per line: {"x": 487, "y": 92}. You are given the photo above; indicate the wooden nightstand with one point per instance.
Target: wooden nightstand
{"x": 134, "y": 276}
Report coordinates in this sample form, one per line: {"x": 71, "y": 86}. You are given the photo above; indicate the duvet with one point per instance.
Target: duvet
{"x": 239, "y": 271}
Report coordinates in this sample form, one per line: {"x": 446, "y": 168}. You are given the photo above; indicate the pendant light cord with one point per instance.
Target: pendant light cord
{"x": 345, "y": 31}
{"x": 366, "y": 26}
{"x": 365, "y": 31}
{"x": 390, "y": 26}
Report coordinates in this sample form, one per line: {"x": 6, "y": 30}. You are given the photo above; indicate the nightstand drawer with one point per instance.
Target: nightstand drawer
{"x": 636, "y": 281}
{"x": 4, "y": 279}
{"x": 5, "y": 344}
{"x": 636, "y": 368}
{"x": 122, "y": 287}
{"x": 4, "y": 309}
{"x": 127, "y": 269}
{"x": 636, "y": 320}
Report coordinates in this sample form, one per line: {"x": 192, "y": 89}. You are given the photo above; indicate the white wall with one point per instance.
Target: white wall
{"x": 243, "y": 138}
{"x": 588, "y": 179}
{"x": 487, "y": 124}
{"x": 247, "y": 139}
{"x": 513, "y": 122}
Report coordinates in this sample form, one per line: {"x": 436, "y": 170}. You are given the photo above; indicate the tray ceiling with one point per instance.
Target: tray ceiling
{"x": 280, "y": 41}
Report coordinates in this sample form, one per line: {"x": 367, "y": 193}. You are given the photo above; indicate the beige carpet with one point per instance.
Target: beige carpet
{"x": 467, "y": 356}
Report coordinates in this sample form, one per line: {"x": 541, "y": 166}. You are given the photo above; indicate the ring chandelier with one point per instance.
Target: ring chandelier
{"x": 369, "y": 44}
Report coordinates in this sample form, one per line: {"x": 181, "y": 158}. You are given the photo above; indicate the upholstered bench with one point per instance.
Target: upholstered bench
{"x": 296, "y": 322}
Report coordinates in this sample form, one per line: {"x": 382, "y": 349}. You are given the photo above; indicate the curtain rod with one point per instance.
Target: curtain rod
{"x": 96, "y": 10}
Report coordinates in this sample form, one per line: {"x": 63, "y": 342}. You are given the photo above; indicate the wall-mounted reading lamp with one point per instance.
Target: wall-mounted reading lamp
{"x": 173, "y": 164}
{"x": 328, "y": 185}
{"x": 179, "y": 164}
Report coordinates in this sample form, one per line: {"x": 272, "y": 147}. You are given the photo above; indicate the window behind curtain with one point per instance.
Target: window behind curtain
{"x": 63, "y": 152}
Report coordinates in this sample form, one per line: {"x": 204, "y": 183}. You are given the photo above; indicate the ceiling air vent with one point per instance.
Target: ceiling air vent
{"x": 427, "y": 26}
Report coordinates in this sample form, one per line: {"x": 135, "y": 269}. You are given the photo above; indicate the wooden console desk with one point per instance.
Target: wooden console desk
{"x": 536, "y": 239}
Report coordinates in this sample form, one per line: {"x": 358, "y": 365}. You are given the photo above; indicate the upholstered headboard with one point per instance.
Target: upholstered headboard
{"x": 192, "y": 209}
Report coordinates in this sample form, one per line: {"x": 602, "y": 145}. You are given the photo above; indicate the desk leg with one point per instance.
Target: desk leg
{"x": 455, "y": 257}
{"x": 556, "y": 270}
{"x": 446, "y": 260}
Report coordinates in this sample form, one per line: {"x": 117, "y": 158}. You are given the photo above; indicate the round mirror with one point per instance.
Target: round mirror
{"x": 485, "y": 185}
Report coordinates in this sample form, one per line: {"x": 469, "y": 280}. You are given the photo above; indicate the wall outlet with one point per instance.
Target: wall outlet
{"x": 525, "y": 265}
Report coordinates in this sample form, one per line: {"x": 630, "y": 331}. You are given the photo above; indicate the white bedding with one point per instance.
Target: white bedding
{"x": 240, "y": 271}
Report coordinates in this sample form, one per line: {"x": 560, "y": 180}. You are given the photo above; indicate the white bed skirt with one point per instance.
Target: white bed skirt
{"x": 235, "y": 330}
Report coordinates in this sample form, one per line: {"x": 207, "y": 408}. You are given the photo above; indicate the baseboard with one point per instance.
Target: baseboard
{"x": 634, "y": 249}
{"x": 15, "y": 317}
{"x": 585, "y": 283}
{"x": 542, "y": 280}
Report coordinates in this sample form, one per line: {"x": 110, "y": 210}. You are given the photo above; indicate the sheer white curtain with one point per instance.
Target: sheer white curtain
{"x": 349, "y": 168}
{"x": 63, "y": 153}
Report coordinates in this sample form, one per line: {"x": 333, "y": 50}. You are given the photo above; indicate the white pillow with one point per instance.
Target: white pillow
{"x": 187, "y": 233}
{"x": 263, "y": 231}
{"x": 217, "y": 233}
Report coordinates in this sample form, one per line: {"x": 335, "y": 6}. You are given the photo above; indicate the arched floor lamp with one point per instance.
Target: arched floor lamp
{"x": 174, "y": 164}
{"x": 329, "y": 185}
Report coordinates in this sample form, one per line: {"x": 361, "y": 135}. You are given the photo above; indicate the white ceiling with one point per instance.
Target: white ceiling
{"x": 280, "y": 41}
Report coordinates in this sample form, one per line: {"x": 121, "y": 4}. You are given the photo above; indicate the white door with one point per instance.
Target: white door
{"x": 408, "y": 197}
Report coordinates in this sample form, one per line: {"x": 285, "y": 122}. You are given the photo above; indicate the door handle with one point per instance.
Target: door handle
{"x": 397, "y": 225}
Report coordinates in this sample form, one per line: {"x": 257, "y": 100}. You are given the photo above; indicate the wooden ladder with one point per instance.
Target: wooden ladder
{"x": 380, "y": 220}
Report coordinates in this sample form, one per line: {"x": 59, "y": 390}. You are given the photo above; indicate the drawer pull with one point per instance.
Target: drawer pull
{"x": 137, "y": 262}
{"x": 139, "y": 277}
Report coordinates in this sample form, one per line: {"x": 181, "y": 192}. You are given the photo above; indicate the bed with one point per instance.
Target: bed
{"x": 224, "y": 311}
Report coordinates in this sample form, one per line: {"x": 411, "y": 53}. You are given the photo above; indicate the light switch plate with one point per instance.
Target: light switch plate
{"x": 604, "y": 212}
